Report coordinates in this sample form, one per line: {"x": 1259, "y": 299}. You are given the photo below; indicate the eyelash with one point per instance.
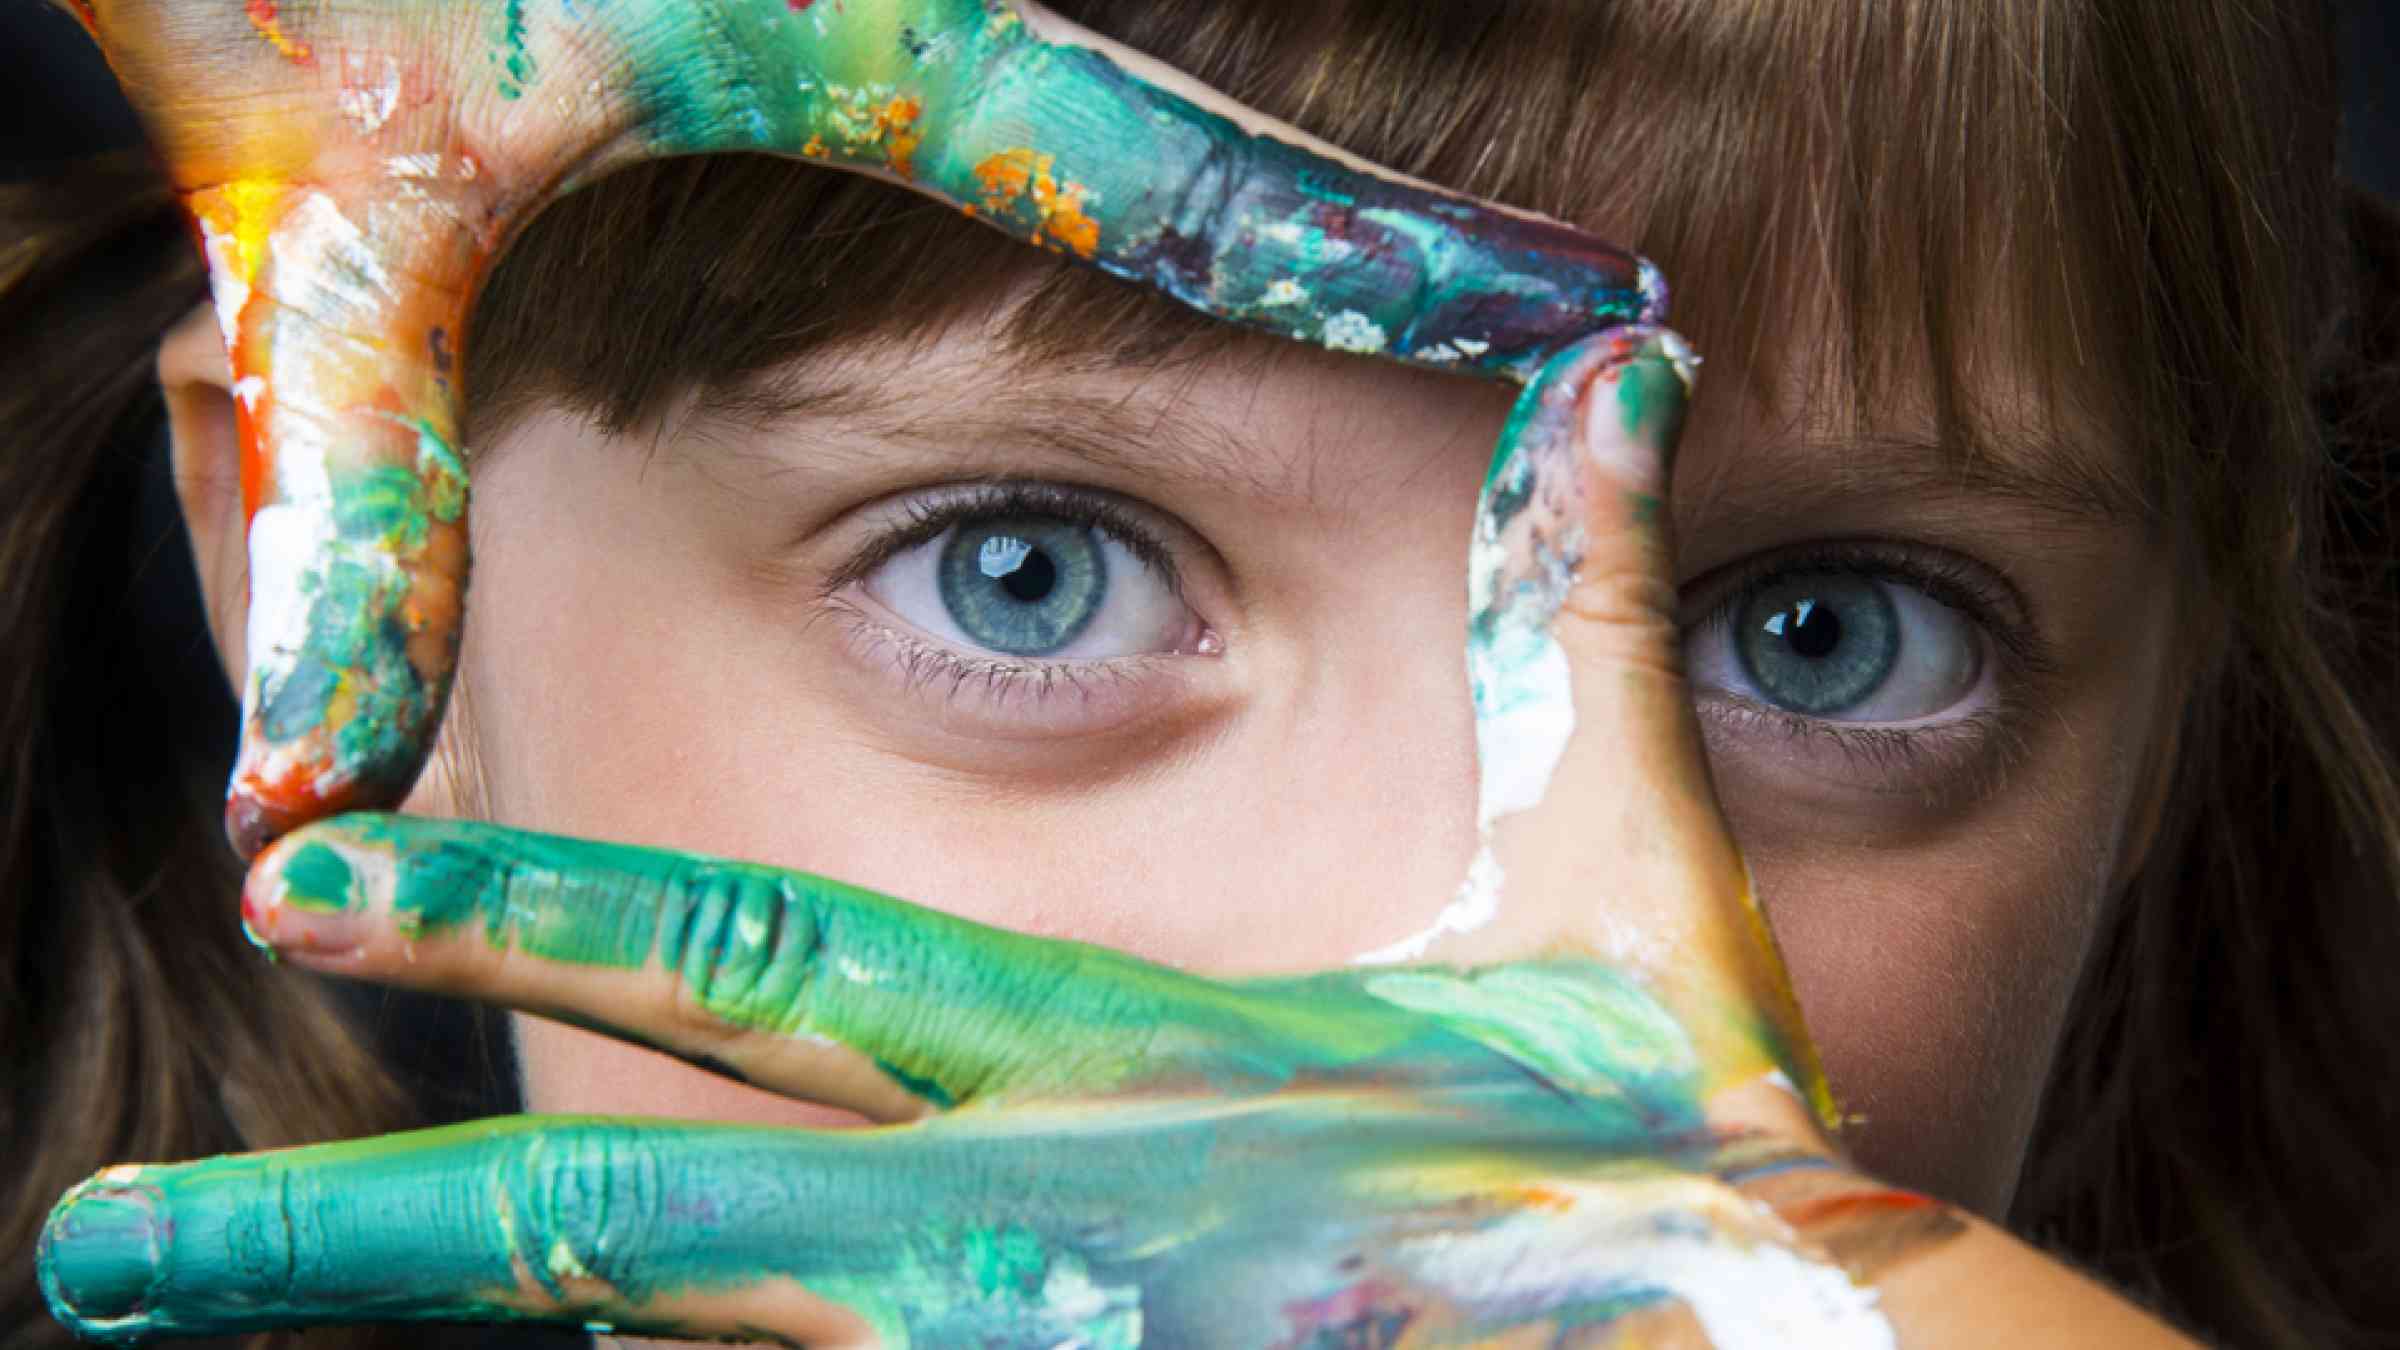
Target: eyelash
{"x": 926, "y": 519}
{"x": 929, "y": 665}
{"x": 1987, "y": 601}
{"x": 1993, "y": 606}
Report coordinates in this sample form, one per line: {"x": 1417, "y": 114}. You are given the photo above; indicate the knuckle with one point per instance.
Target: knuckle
{"x": 1624, "y": 615}
{"x": 740, "y": 942}
{"x": 580, "y": 1206}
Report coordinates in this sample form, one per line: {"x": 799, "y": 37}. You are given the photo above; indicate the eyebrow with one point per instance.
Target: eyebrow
{"x": 2045, "y": 477}
{"x": 1120, "y": 435}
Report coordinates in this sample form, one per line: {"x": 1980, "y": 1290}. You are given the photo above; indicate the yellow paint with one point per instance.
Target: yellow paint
{"x": 242, "y": 213}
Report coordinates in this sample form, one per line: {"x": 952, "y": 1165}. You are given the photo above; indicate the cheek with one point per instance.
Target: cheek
{"x": 1936, "y": 974}
{"x": 619, "y": 685}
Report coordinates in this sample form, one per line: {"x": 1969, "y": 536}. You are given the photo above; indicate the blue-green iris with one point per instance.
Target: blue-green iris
{"x": 1023, "y": 585}
{"x": 1820, "y": 642}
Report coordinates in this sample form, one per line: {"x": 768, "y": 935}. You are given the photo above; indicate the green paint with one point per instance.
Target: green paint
{"x": 1249, "y": 230}
{"x": 954, "y": 1011}
{"x": 442, "y": 476}
{"x": 1652, "y": 394}
{"x": 317, "y": 878}
{"x": 1052, "y": 143}
{"x": 1132, "y": 1142}
{"x": 516, "y": 62}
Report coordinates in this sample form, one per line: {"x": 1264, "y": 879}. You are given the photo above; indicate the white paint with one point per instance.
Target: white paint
{"x": 1284, "y": 291}
{"x": 1476, "y": 904}
{"x": 1524, "y": 717}
{"x": 286, "y": 537}
{"x": 248, "y": 389}
{"x": 413, "y": 166}
{"x": 366, "y": 100}
{"x": 1523, "y": 690}
{"x": 225, "y": 284}
{"x": 1739, "y": 1269}
{"x": 1351, "y": 331}
{"x": 326, "y": 266}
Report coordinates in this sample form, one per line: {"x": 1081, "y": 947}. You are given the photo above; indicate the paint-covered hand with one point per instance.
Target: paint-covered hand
{"x": 354, "y": 167}
{"x": 1588, "y": 1126}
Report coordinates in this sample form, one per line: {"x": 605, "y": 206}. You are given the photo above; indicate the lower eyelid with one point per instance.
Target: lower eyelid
{"x": 1959, "y": 758}
{"x": 1031, "y": 701}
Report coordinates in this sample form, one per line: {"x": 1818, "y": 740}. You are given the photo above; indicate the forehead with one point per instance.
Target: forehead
{"x": 1847, "y": 246}
{"x": 1281, "y": 425}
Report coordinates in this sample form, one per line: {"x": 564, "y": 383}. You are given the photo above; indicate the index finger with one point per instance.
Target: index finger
{"x": 355, "y": 169}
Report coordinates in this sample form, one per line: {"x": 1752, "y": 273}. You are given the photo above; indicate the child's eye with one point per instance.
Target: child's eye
{"x": 1844, "y": 646}
{"x": 1882, "y": 666}
{"x": 1034, "y": 585}
{"x": 1025, "y": 609}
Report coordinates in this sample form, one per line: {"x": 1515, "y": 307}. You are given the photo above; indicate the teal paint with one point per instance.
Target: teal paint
{"x": 340, "y": 334}
{"x": 954, "y": 1011}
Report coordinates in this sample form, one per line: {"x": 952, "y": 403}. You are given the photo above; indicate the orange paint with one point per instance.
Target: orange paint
{"x": 264, "y": 18}
{"x": 1020, "y": 174}
{"x": 1541, "y": 1197}
{"x": 896, "y": 127}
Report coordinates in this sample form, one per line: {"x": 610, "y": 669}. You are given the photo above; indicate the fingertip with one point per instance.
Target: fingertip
{"x": 315, "y": 892}
{"x": 1634, "y": 405}
{"x": 99, "y": 1254}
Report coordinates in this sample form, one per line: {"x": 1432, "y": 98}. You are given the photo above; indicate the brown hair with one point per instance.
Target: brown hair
{"x": 2143, "y": 191}
{"x": 137, "y": 1023}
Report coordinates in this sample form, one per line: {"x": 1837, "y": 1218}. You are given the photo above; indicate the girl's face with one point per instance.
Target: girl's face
{"x": 1171, "y": 660}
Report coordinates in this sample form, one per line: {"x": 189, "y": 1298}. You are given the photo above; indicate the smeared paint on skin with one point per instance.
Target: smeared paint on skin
{"x": 345, "y": 216}
{"x": 1528, "y": 542}
{"x": 1104, "y": 1147}
{"x": 1138, "y": 1156}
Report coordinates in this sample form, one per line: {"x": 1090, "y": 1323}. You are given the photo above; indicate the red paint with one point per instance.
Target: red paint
{"x": 798, "y": 6}
{"x": 1853, "y": 1204}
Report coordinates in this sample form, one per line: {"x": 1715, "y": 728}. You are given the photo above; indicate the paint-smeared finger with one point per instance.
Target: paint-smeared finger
{"x": 790, "y": 981}
{"x": 354, "y": 169}
{"x": 343, "y": 313}
{"x": 707, "y": 1231}
{"x": 1599, "y": 822}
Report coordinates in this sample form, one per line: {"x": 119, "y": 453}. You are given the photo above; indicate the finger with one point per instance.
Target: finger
{"x": 1600, "y": 826}
{"x": 1174, "y": 1225}
{"x": 791, "y": 982}
{"x": 354, "y": 170}
{"x": 834, "y": 1238}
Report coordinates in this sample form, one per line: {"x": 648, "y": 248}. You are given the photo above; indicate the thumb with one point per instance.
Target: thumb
{"x": 1600, "y": 831}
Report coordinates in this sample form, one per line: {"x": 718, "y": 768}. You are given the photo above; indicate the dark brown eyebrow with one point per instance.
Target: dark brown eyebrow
{"x": 2045, "y": 479}
{"x": 1122, "y": 436}
{"x": 1140, "y": 439}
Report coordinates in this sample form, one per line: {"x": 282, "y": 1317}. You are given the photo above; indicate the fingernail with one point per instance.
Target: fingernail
{"x": 304, "y": 898}
{"x": 99, "y": 1255}
{"x": 1634, "y": 407}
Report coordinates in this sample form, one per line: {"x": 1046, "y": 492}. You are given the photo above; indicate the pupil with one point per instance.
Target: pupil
{"x": 1816, "y": 630}
{"x": 1032, "y": 579}
{"x": 1023, "y": 585}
